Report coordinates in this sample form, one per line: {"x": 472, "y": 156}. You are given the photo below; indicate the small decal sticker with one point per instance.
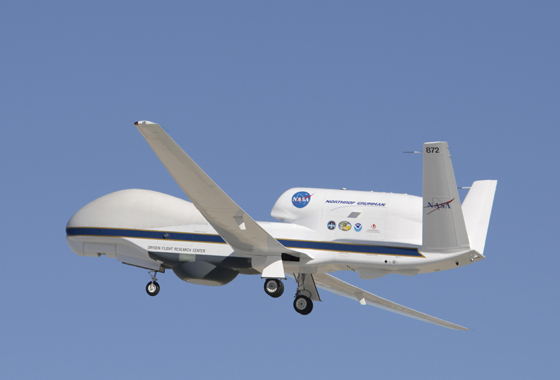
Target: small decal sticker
{"x": 345, "y": 226}
{"x": 373, "y": 229}
{"x": 358, "y": 227}
{"x": 331, "y": 225}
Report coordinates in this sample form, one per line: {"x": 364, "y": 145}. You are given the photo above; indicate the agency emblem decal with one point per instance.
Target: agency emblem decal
{"x": 373, "y": 229}
{"x": 345, "y": 226}
{"x": 301, "y": 199}
{"x": 358, "y": 226}
{"x": 435, "y": 205}
{"x": 331, "y": 225}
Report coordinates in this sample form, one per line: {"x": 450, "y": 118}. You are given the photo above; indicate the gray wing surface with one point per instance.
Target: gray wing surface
{"x": 233, "y": 224}
{"x": 336, "y": 286}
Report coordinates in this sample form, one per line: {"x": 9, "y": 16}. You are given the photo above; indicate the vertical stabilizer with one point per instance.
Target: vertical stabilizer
{"x": 477, "y": 208}
{"x": 443, "y": 226}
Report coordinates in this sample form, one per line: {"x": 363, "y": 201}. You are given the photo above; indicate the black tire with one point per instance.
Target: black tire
{"x": 152, "y": 290}
{"x": 303, "y": 305}
{"x": 273, "y": 287}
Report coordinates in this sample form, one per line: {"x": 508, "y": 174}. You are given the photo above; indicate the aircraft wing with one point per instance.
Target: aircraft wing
{"x": 233, "y": 224}
{"x": 336, "y": 286}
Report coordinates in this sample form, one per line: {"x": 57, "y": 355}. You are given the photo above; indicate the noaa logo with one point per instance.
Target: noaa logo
{"x": 358, "y": 227}
{"x": 301, "y": 199}
{"x": 331, "y": 225}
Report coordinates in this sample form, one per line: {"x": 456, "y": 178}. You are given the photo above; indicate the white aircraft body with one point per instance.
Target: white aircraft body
{"x": 212, "y": 240}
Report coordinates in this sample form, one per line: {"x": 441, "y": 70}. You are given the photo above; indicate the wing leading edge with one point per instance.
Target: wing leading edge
{"x": 235, "y": 226}
{"x": 341, "y": 288}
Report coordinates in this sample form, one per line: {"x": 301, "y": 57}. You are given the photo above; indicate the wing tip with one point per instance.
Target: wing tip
{"x": 142, "y": 122}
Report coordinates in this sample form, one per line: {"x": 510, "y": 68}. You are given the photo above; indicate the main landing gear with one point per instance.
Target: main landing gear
{"x": 153, "y": 287}
{"x": 274, "y": 287}
{"x": 305, "y": 291}
{"x": 302, "y": 303}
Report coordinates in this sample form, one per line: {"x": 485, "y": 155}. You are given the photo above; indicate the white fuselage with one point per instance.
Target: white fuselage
{"x": 368, "y": 232}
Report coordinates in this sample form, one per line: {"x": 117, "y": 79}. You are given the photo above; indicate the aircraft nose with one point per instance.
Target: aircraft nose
{"x": 126, "y": 209}
{"x": 79, "y": 234}
{"x": 75, "y": 243}
{"x": 75, "y": 235}
{"x": 85, "y": 240}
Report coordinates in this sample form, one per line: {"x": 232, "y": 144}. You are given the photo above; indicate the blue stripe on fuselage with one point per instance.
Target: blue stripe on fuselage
{"x": 205, "y": 238}
{"x": 144, "y": 234}
{"x": 350, "y": 247}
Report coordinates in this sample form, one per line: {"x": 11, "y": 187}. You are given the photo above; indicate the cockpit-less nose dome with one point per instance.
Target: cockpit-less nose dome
{"x": 137, "y": 209}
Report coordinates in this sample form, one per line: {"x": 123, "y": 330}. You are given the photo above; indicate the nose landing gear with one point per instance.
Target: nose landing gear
{"x": 153, "y": 287}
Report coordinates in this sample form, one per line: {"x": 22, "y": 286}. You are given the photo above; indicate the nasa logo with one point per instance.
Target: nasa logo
{"x": 358, "y": 227}
{"x": 439, "y": 205}
{"x": 331, "y": 225}
{"x": 301, "y": 199}
{"x": 345, "y": 226}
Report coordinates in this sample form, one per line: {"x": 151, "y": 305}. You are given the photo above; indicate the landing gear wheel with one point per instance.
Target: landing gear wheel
{"x": 303, "y": 305}
{"x": 273, "y": 287}
{"x": 152, "y": 288}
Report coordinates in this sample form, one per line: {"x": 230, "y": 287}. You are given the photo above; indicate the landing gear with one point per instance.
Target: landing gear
{"x": 306, "y": 291}
{"x": 273, "y": 287}
{"x": 153, "y": 287}
{"x": 303, "y": 305}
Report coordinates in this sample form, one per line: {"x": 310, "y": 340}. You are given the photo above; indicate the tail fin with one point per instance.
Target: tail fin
{"x": 443, "y": 226}
{"x": 477, "y": 208}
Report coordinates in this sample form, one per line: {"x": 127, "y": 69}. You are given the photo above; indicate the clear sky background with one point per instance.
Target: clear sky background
{"x": 268, "y": 95}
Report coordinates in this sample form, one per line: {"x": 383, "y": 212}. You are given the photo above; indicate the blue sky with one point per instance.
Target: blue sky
{"x": 266, "y": 96}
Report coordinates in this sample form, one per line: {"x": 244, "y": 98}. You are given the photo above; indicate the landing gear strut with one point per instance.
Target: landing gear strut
{"x": 153, "y": 287}
{"x": 305, "y": 291}
{"x": 274, "y": 287}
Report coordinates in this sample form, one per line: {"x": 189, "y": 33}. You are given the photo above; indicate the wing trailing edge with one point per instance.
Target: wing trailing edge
{"x": 341, "y": 288}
